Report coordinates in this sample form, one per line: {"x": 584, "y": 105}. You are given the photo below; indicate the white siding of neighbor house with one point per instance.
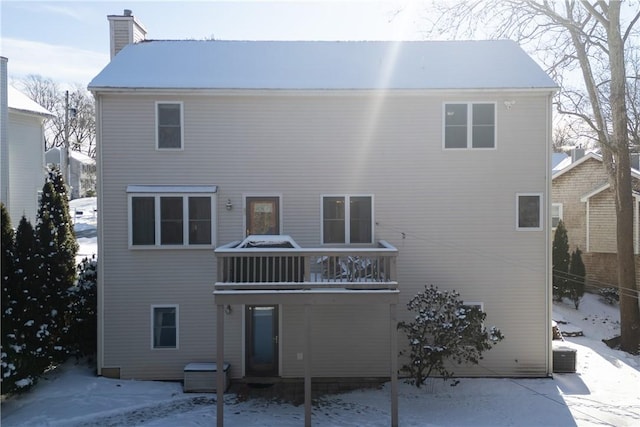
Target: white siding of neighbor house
{"x": 450, "y": 213}
{"x": 26, "y": 165}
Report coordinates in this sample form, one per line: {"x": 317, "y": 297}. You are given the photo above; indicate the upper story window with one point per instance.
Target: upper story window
{"x": 171, "y": 216}
{"x": 556, "y": 214}
{"x": 347, "y": 219}
{"x": 169, "y": 120}
{"x": 469, "y": 125}
{"x": 529, "y": 211}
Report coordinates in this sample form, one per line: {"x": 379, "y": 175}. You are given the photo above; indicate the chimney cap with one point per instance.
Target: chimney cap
{"x": 127, "y": 12}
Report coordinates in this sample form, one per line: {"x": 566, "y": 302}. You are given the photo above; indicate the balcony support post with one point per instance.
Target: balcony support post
{"x": 307, "y": 365}
{"x": 220, "y": 383}
{"x": 393, "y": 337}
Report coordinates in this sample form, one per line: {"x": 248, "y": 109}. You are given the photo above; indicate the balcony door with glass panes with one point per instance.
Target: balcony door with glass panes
{"x": 263, "y": 215}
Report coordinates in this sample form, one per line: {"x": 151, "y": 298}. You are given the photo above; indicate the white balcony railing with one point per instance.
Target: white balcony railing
{"x": 281, "y": 267}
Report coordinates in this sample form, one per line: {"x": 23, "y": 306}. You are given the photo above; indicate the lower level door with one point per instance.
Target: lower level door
{"x": 261, "y": 340}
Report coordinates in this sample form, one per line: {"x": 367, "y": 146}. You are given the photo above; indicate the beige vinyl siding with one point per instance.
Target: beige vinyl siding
{"x": 602, "y": 223}
{"x": 568, "y": 189}
{"x": 347, "y": 341}
{"x": 450, "y": 213}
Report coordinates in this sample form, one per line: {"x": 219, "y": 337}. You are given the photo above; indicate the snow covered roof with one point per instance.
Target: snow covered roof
{"x": 18, "y": 101}
{"x": 81, "y": 157}
{"x": 211, "y": 64}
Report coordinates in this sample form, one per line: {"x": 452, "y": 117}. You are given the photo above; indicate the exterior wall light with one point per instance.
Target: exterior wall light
{"x": 229, "y": 205}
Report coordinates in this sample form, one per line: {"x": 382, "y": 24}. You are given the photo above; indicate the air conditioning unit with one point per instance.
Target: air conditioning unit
{"x": 202, "y": 377}
{"x": 564, "y": 359}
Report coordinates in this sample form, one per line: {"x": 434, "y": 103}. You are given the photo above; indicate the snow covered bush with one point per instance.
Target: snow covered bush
{"x": 81, "y": 310}
{"x": 576, "y": 282}
{"x": 58, "y": 248}
{"x": 609, "y": 295}
{"x": 443, "y": 330}
{"x": 561, "y": 261}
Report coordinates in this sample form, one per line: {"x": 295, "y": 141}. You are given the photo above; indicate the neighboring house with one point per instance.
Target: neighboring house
{"x": 22, "y": 153}
{"x": 584, "y": 200}
{"x": 82, "y": 171}
{"x": 557, "y": 160}
{"x": 353, "y": 149}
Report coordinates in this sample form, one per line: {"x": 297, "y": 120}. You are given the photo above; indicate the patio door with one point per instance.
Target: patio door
{"x": 261, "y": 346}
{"x": 263, "y": 215}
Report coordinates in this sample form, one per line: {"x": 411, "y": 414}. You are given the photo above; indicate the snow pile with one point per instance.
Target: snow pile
{"x": 84, "y": 213}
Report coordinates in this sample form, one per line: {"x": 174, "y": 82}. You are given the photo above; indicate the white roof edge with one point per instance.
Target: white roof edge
{"x": 593, "y": 192}
{"x": 634, "y": 172}
{"x": 172, "y": 188}
{"x": 316, "y": 91}
{"x": 578, "y": 162}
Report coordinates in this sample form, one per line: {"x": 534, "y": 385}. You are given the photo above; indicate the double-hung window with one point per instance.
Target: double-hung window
{"x": 529, "y": 211}
{"x": 347, "y": 219}
{"x": 169, "y": 128}
{"x": 171, "y": 216}
{"x": 164, "y": 326}
{"x": 469, "y": 125}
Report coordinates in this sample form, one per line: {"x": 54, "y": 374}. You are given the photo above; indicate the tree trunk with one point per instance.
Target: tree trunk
{"x": 629, "y": 309}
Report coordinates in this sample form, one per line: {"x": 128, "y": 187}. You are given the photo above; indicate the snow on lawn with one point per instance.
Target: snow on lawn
{"x": 604, "y": 391}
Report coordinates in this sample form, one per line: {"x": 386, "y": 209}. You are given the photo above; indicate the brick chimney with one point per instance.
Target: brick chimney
{"x": 123, "y": 30}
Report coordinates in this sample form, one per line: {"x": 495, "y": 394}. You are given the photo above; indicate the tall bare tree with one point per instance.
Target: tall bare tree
{"x": 589, "y": 48}
{"x": 82, "y": 132}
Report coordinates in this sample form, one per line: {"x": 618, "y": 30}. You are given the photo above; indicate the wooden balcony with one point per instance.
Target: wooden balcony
{"x": 280, "y": 264}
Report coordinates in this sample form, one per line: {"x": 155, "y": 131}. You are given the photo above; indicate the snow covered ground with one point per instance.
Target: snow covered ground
{"x": 604, "y": 391}
{"x": 84, "y": 214}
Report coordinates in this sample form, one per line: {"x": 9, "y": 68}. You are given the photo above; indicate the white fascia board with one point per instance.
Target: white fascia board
{"x": 172, "y": 188}
{"x": 578, "y": 162}
{"x": 595, "y": 191}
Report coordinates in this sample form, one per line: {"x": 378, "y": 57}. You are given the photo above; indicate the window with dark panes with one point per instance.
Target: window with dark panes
{"x": 143, "y": 221}
{"x": 360, "y": 219}
{"x": 165, "y": 327}
{"x": 529, "y": 211}
{"x": 469, "y": 126}
{"x": 347, "y": 219}
{"x": 455, "y": 128}
{"x": 483, "y": 134}
{"x": 169, "y": 125}
{"x": 171, "y": 220}
{"x": 199, "y": 220}
{"x": 333, "y": 214}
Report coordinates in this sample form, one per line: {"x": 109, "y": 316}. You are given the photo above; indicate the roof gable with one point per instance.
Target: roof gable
{"x": 634, "y": 173}
{"x": 190, "y": 64}
{"x": 18, "y": 101}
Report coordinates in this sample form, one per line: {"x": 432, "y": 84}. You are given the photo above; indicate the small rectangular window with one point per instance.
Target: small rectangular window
{"x": 469, "y": 125}
{"x": 165, "y": 326}
{"x": 529, "y": 212}
{"x": 556, "y": 214}
{"x": 347, "y": 219}
{"x": 169, "y": 122}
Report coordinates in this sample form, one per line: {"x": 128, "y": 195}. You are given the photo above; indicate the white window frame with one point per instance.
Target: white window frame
{"x": 347, "y": 218}
{"x": 469, "y": 105}
{"x": 540, "y": 213}
{"x": 184, "y": 192}
{"x": 153, "y": 309}
{"x": 559, "y": 206}
{"x": 157, "y": 104}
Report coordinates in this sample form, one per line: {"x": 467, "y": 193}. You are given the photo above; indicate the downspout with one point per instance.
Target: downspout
{"x": 100, "y": 284}
{"x": 4, "y": 140}
{"x": 549, "y": 262}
